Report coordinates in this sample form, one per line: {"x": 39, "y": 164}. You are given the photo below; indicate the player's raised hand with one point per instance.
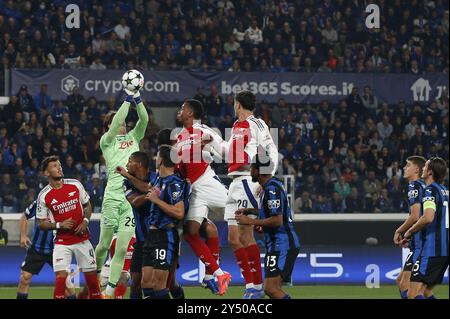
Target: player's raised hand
{"x": 241, "y": 218}
{"x": 67, "y": 224}
{"x": 130, "y": 93}
{"x": 25, "y": 241}
{"x": 122, "y": 171}
{"x": 153, "y": 194}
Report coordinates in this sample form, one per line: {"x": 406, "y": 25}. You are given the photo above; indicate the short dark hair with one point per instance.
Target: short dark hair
{"x": 247, "y": 99}
{"x": 419, "y": 161}
{"x": 196, "y": 106}
{"x": 164, "y": 153}
{"x": 164, "y": 136}
{"x": 48, "y": 160}
{"x": 141, "y": 157}
{"x": 108, "y": 119}
{"x": 438, "y": 167}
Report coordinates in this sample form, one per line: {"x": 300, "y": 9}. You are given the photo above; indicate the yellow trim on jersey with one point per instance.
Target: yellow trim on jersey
{"x": 429, "y": 204}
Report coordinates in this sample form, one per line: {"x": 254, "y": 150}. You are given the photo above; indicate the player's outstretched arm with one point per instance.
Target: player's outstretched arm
{"x": 139, "y": 130}
{"x": 271, "y": 222}
{"x": 140, "y": 185}
{"x": 117, "y": 121}
{"x": 23, "y": 226}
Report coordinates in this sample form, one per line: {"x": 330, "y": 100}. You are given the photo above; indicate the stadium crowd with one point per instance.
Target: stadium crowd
{"x": 346, "y": 157}
{"x": 238, "y": 35}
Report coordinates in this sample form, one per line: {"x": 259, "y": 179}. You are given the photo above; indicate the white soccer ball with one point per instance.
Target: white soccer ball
{"x": 133, "y": 80}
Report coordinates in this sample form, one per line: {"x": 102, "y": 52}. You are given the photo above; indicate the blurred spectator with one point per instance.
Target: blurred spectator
{"x": 3, "y": 234}
{"x": 95, "y": 191}
{"x": 322, "y": 205}
{"x": 342, "y": 187}
{"x": 214, "y": 106}
{"x": 42, "y": 100}
{"x": 8, "y": 193}
{"x": 354, "y": 202}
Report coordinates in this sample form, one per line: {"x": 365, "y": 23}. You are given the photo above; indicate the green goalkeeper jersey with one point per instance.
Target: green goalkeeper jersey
{"x": 118, "y": 148}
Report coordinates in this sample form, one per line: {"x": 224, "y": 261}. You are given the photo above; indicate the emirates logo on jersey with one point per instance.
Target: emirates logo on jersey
{"x": 65, "y": 206}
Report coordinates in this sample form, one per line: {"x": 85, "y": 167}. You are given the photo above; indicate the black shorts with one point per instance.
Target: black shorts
{"x": 411, "y": 260}
{"x": 161, "y": 248}
{"x": 280, "y": 263}
{"x": 429, "y": 270}
{"x": 136, "y": 260}
{"x": 34, "y": 261}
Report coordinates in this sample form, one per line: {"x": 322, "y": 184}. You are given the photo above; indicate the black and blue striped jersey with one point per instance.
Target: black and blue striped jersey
{"x": 141, "y": 214}
{"x": 415, "y": 195}
{"x": 173, "y": 189}
{"x": 274, "y": 202}
{"x": 41, "y": 240}
{"x": 435, "y": 235}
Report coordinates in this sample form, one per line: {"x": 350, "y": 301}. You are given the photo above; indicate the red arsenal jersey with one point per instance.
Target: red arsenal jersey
{"x": 57, "y": 205}
{"x": 189, "y": 147}
{"x": 246, "y": 137}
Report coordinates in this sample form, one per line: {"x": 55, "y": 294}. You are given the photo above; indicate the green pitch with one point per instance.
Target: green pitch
{"x": 297, "y": 292}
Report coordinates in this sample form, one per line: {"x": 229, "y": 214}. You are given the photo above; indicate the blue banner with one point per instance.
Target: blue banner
{"x": 315, "y": 265}
{"x": 175, "y": 86}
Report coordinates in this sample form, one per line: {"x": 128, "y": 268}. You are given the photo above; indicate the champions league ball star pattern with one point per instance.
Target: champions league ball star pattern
{"x": 133, "y": 80}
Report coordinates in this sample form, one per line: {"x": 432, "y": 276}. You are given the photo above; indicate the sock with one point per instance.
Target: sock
{"x": 148, "y": 293}
{"x": 242, "y": 261}
{"x": 432, "y": 297}
{"x": 135, "y": 295}
{"x": 60, "y": 288}
{"x": 120, "y": 291}
{"x": 161, "y": 294}
{"x": 72, "y": 297}
{"x": 420, "y": 297}
{"x": 110, "y": 288}
{"x": 177, "y": 293}
{"x": 254, "y": 260}
{"x": 286, "y": 296}
{"x": 213, "y": 245}
{"x": 93, "y": 286}
{"x": 22, "y": 295}
{"x": 202, "y": 251}
{"x": 404, "y": 294}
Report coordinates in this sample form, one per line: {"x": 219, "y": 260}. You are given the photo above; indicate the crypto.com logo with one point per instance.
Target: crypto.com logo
{"x": 68, "y": 83}
{"x": 73, "y": 19}
{"x": 373, "y": 19}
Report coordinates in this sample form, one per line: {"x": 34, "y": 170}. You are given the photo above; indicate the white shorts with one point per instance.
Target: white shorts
{"x": 207, "y": 194}
{"x": 243, "y": 193}
{"x": 84, "y": 254}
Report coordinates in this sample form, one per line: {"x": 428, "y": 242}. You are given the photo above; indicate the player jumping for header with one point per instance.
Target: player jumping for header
{"x": 117, "y": 216}
{"x": 247, "y": 134}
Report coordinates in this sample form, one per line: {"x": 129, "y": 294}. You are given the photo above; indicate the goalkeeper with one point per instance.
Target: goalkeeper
{"x": 117, "y": 215}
